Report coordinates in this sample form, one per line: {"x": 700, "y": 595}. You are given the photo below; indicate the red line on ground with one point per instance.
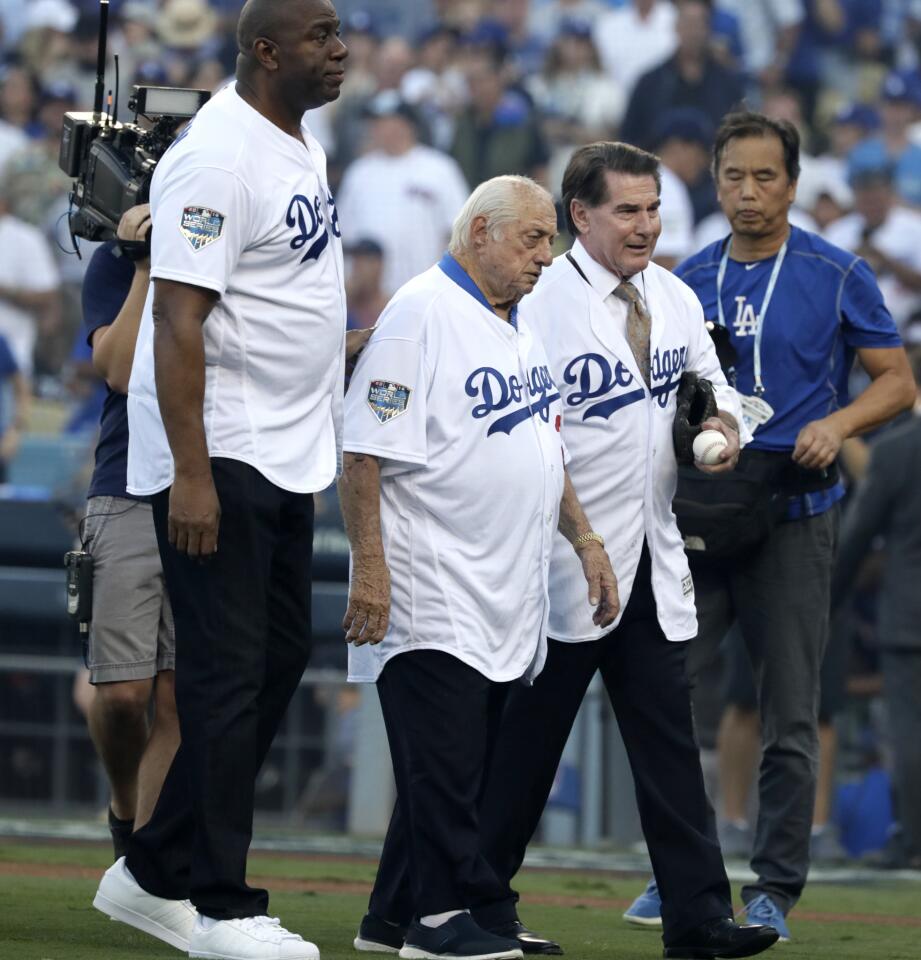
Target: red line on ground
{"x": 293, "y": 885}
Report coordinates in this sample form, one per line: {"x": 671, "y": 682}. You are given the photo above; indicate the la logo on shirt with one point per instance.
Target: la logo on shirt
{"x": 746, "y": 321}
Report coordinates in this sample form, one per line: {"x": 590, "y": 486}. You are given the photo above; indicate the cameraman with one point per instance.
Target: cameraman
{"x": 131, "y": 650}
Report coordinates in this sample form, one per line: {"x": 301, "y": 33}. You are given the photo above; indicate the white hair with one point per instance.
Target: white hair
{"x": 499, "y": 201}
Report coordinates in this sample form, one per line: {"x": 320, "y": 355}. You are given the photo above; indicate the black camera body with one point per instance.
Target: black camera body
{"x": 112, "y": 163}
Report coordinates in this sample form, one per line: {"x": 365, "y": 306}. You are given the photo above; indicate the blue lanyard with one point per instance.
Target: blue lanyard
{"x": 759, "y": 321}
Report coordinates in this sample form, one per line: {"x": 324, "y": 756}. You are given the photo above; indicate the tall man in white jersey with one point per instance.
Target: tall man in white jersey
{"x": 619, "y": 332}
{"x": 451, "y": 493}
{"x": 235, "y": 416}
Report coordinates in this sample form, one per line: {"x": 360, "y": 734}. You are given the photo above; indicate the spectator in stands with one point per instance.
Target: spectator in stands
{"x": 676, "y": 214}
{"x": 361, "y": 33}
{"x": 692, "y": 78}
{"x": 392, "y": 60}
{"x": 29, "y": 283}
{"x": 901, "y": 101}
{"x": 12, "y": 133}
{"x": 131, "y": 649}
{"x": 75, "y": 68}
{"x": 499, "y": 132}
{"x": 683, "y": 140}
{"x": 137, "y": 43}
{"x": 364, "y": 277}
{"x": 635, "y": 38}
{"x": 18, "y": 96}
{"x": 401, "y": 193}
{"x": 11, "y": 426}
{"x": 436, "y": 86}
{"x": 888, "y": 236}
{"x": 850, "y": 126}
{"x": 769, "y": 31}
{"x": 888, "y": 502}
{"x": 525, "y": 49}
{"x": 548, "y": 16}
{"x": 577, "y": 100}
{"x": 824, "y": 26}
{"x": 47, "y": 41}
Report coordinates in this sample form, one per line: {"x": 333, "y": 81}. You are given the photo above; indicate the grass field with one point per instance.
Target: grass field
{"x": 46, "y": 891}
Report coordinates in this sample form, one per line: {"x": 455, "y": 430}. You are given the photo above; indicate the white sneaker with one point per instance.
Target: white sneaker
{"x": 249, "y": 938}
{"x": 122, "y": 898}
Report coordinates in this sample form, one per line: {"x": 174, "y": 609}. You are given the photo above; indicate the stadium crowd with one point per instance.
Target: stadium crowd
{"x": 441, "y": 96}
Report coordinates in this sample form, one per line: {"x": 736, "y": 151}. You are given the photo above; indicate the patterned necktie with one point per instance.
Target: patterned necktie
{"x": 639, "y": 324}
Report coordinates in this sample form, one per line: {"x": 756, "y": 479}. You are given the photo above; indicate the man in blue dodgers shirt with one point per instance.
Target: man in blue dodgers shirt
{"x": 797, "y": 309}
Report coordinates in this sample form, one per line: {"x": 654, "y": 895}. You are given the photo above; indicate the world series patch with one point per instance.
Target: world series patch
{"x": 387, "y": 399}
{"x": 201, "y": 226}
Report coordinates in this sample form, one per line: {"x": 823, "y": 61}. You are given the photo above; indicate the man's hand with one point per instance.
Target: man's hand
{"x": 602, "y": 584}
{"x": 818, "y": 444}
{"x": 194, "y": 515}
{"x": 355, "y": 341}
{"x": 368, "y": 612}
{"x": 134, "y": 227}
{"x": 729, "y": 455}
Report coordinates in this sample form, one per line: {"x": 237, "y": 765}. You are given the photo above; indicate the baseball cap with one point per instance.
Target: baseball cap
{"x": 575, "y": 27}
{"x": 389, "y": 103}
{"x": 902, "y": 86}
{"x": 685, "y": 123}
{"x": 871, "y": 175}
{"x": 362, "y": 21}
{"x": 857, "y": 114}
{"x": 134, "y": 11}
{"x": 364, "y": 246}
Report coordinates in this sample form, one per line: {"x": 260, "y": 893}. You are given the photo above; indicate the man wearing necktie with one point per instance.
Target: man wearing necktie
{"x": 619, "y": 332}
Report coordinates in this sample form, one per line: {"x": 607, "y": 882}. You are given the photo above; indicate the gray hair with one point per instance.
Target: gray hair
{"x": 499, "y": 201}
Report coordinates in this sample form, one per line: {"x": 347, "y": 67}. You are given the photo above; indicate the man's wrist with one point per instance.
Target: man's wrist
{"x": 587, "y": 540}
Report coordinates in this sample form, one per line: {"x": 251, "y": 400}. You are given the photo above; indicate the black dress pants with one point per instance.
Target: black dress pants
{"x": 645, "y": 677}
{"x": 441, "y": 716}
{"x": 644, "y": 674}
{"x": 242, "y": 642}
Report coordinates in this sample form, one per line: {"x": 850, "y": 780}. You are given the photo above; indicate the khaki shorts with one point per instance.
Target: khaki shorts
{"x": 132, "y": 636}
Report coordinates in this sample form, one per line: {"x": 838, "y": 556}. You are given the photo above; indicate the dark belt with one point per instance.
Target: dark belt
{"x": 777, "y": 468}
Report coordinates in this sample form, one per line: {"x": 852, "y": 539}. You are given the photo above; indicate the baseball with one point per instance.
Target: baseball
{"x": 708, "y": 445}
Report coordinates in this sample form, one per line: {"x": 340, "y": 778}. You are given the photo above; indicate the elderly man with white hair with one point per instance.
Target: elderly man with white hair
{"x": 453, "y": 487}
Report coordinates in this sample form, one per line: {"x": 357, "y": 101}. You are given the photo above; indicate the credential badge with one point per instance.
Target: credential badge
{"x": 387, "y": 399}
{"x": 201, "y": 226}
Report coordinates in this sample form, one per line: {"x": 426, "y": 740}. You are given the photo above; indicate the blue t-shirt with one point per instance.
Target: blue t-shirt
{"x": 826, "y": 304}
{"x": 105, "y": 288}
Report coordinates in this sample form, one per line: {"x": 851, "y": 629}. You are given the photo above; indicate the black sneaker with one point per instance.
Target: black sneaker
{"x": 120, "y": 830}
{"x": 377, "y": 935}
{"x": 462, "y": 937}
{"x": 528, "y": 940}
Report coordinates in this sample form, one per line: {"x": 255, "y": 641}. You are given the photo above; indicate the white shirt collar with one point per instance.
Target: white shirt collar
{"x": 602, "y": 280}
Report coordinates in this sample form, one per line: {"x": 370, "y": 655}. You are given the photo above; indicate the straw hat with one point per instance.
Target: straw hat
{"x": 186, "y": 24}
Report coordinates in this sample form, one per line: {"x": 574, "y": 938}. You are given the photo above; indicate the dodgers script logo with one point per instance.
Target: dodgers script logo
{"x": 595, "y": 378}
{"x": 307, "y": 217}
{"x": 499, "y": 392}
